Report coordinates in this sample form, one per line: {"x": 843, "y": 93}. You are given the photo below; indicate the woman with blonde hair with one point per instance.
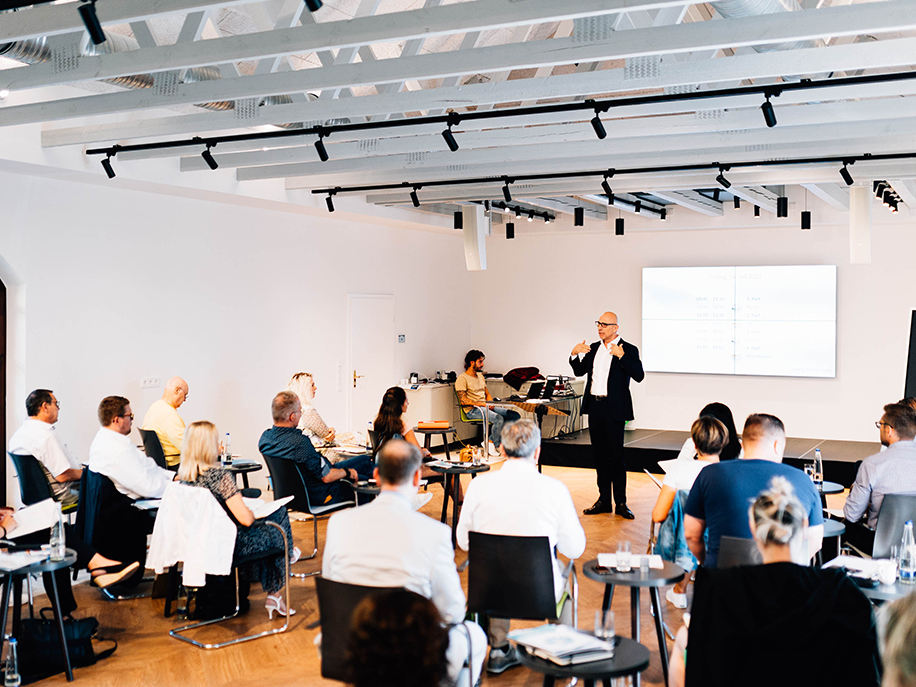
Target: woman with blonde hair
{"x": 310, "y": 423}
{"x": 199, "y": 467}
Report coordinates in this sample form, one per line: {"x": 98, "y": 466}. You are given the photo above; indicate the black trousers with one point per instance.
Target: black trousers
{"x": 606, "y": 435}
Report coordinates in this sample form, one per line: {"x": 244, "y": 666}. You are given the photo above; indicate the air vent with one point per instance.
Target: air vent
{"x": 593, "y": 29}
{"x": 710, "y": 114}
{"x": 645, "y": 67}
{"x": 165, "y": 83}
{"x": 415, "y": 158}
{"x": 681, "y": 89}
{"x": 247, "y": 108}
{"x": 65, "y": 59}
{"x": 369, "y": 145}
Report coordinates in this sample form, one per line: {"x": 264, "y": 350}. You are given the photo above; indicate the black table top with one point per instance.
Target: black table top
{"x": 433, "y": 430}
{"x": 670, "y": 574}
{"x": 889, "y": 592}
{"x": 367, "y": 488}
{"x": 240, "y": 468}
{"x": 460, "y": 469}
{"x": 630, "y": 657}
{"x": 46, "y": 565}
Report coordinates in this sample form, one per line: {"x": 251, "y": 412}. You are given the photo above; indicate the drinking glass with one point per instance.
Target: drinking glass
{"x": 623, "y": 556}
{"x": 604, "y": 626}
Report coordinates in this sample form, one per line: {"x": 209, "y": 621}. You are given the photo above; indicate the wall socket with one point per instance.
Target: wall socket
{"x": 401, "y": 338}
{"x": 149, "y": 382}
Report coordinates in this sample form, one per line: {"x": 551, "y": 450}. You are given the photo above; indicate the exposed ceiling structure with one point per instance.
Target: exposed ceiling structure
{"x": 172, "y": 70}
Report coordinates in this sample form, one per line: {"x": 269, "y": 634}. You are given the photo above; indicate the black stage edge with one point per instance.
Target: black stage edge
{"x": 575, "y": 451}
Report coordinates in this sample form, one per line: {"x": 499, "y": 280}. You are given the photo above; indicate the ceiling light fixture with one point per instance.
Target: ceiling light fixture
{"x": 782, "y": 207}
{"x": 737, "y": 202}
{"x": 319, "y": 146}
{"x": 637, "y": 206}
{"x": 530, "y": 216}
{"x": 757, "y": 211}
{"x": 453, "y": 119}
{"x": 579, "y": 217}
{"x": 313, "y": 5}
{"x": 91, "y": 21}
{"x": 459, "y": 220}
{"x": 618, "y": 226}
{"x": 725, "y": 183}
{"x": 510, "y": 230}
{"x": 663, "y": 215}
{"x": 607, "y": 187}
{"x": 208, "y": 157}
{"x": 844, "y": 172}
{"x": 330, "y": 201}
{"x": 769, "y": 114}
{"x": 600, "y": 131}
{"x": 106, "y": 165}
{"x": 805, "y": 220}
{"x": 506, "y": 193}
{"x": 414, "y": 198}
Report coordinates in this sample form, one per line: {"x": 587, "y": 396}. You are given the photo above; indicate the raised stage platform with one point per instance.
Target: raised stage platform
{"x": 644, "y": 448}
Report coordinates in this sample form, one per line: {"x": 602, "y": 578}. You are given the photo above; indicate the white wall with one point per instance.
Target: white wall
{"x": 120, "y": 284}
{"x": 542, "y": 294}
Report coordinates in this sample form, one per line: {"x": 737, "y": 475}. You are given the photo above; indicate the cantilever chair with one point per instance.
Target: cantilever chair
{"x": 512, "y": 577}
{"x": 153, "y": 447}
{"x": 193, "y": 528}
{"x": 288, "y": 481}
{"x": 33, "y": 482}
{"x": 896, "y": 509}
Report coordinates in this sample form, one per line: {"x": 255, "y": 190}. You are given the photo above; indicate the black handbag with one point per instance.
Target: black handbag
{"x": 39, "y": 646}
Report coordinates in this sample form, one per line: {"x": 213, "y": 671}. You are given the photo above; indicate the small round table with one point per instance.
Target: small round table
{"x": 630, "y": 658}
{"x": 366, "y": 488}
{"x": 242, "y": 467}
{"x": 635, "y": 580}
{"x": 428, "y": 437}
{"x": 887, "y": 592}
{"x": 452, "y": 476}
{"x": 12, "y": 582}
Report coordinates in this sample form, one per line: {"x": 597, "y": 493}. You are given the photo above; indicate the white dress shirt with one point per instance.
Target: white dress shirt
{"x": 517, "y": 500}
{"x": 601, "y": 366}
{"x": 134, "y": 474}
{"x": 39, "y": 439}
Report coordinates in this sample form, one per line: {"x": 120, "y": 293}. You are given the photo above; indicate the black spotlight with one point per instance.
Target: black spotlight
{"x": 450, "y": 140}
{"x": 506, "y": 193}
{"x": 610, "y": 199}
{"x": 598, "y": 127}
{"x": 663, "y": 214}
{"x": 847, "y": 177}
{"x": 888, "y": 197}
{"x": 579, "y": 217}
{"x": 879, "y": 189}
{"x": 531, "y": 216}
{"x": 782, "y": 207}
{"x": 322, "y": 151}
{"x": 330, "y": 201}
{"x": 757, "y": 211}
{"x": 725, "y": 183}
{"x": 737, "y": 203}
{"x": 91, "y": 20}
{"x": 414, "y": 198}
{"x": 769, "y": 114}
{"x": 805, "y": 219}
{"x": 637, "y": 207}
{"x": 518, "y": 212}
{"x": 106, "y": 165}
{"x": 459, "y": 220}
{"x": 510, "y": 230}
{"x": 618, "y": 226}
{"x": 607, "y": 191}
{"x": 313, "y": 5}
{"x": 208, "y": 157}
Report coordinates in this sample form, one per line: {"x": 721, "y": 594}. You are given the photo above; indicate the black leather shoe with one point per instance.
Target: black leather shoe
{"x": 624, "y": 512}
{"x": 599, "y": 507}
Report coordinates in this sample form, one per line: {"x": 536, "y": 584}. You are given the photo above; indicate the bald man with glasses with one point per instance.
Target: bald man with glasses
{"x": 610, "y": 364}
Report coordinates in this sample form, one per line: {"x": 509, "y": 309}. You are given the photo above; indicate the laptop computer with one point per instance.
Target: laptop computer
{"x": 534, "y": 391}
{"x": 548, "y": 389}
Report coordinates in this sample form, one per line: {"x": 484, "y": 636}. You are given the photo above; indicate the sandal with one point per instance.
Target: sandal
{"x": 112, "y": 574}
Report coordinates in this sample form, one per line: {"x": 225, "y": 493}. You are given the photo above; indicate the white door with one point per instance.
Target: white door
{"x": 371, "y": 355}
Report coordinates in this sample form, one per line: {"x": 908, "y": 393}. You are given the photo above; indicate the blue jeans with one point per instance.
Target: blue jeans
{"x": 497, "y": 417}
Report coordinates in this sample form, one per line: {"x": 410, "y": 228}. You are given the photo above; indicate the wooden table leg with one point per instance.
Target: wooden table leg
{"x": 55, "y": 604}
{"x": 660, "y": 630}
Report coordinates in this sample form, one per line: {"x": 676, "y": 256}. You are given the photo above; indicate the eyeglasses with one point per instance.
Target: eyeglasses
{"x": 130, "y": 415}
{"x": 605, "y": 324}
{"x": 886, "y": 424}
{"x": 56, "y": 403}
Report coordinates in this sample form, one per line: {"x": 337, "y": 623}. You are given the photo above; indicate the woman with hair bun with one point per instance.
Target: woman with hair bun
{"x": 781, "y": 621}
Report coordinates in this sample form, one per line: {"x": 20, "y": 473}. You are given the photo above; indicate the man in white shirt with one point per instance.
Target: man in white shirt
{"x": 114, "y": 455}
{"x": 37, "y": 437}
{"x": 517, "y": 500}
{"x": 388, "y": 544}
{"x": 163, "y": 418}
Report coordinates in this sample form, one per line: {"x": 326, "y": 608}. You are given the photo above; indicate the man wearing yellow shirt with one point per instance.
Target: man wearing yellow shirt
{"x": 163, "y": 418}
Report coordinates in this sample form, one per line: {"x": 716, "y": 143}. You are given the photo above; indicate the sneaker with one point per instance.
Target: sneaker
{"x": 492, "y": 450}
{"x": 675, "y": 599}
{"x": 502, "y": 659}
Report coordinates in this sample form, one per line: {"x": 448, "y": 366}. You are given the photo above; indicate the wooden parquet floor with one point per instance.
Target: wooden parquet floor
{"x": 148, "y": 657}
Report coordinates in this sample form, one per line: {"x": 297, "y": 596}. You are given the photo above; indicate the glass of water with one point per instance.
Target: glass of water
{"x": 624, "y": 564}
{"x": 604, "y": 626}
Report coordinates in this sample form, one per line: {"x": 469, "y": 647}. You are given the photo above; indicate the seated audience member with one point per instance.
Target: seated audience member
{"x": 898, "y": 623}
{"x": 909, "y": 401}
{"x": 388, "y": 544}
{"x": 389, "y": 424}
{"x": 888, "y": 472}
{"x": 38, "y": 437}
{"x": 781, "y": 621}
{"x": 719, "y": 496}
{"x": 163, "y": 418}
{"x": 723, "y": 414}
{"x": 120, "y": 529}
{"x": 322, "y": 480}
{"x": 709, "y": 436}
{"x": 310, "y": 423}
{"x": 199, "y": 467}
{"x": 397, "y": 639}
{"x": 104, "y": 571}
{"x": 471, "y": 387}
{"x": 517, "y": 500}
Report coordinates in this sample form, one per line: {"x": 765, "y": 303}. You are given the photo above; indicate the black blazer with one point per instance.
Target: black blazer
{"x": 620, "y": 403}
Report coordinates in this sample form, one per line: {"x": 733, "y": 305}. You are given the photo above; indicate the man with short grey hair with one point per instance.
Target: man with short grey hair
{"x": 517, "y": 500}
{"x": 388, "y": 544}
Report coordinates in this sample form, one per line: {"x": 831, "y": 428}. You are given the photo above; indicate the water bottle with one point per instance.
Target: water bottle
{"x": 907, "y": 563}
{"x": 58, "y": 539}
{"x": 818, "y": 469}
{"x": 227, "y": 450}
{"x": 11, "y": 674}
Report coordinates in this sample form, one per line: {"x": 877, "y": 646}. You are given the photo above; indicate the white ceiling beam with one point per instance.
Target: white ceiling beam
{"x": 896, "y": 15}
{"x": 878, "y": 55}
{"x": 692, "y": 201}
{"x": 567, "y": 206}
{"x": 52, "y": 20}
{"x": 315, "y": 37}
{"x": 832, "y": 194}
{"x": 756, "y": 195}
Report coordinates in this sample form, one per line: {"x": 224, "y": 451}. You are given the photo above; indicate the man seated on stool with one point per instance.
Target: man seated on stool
{"x": 37, "y": 437}
{"x": 888, "y": 472}
{"x": 163, "y": 418}
{"x": 322, "y": 480}
{"x": 473, "y": 395}
{"x": 517, "y": 500}
{"x": 388, "y": 544}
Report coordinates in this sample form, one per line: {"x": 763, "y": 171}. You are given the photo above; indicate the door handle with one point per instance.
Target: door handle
{"x": 355, "y": 377}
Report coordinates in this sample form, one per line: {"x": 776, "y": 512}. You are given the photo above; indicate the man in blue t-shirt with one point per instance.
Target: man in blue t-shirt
{"x": 723, "y": 492}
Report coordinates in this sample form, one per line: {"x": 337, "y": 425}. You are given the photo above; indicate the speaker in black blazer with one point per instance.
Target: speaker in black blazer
{"x": 623, "y": 369}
